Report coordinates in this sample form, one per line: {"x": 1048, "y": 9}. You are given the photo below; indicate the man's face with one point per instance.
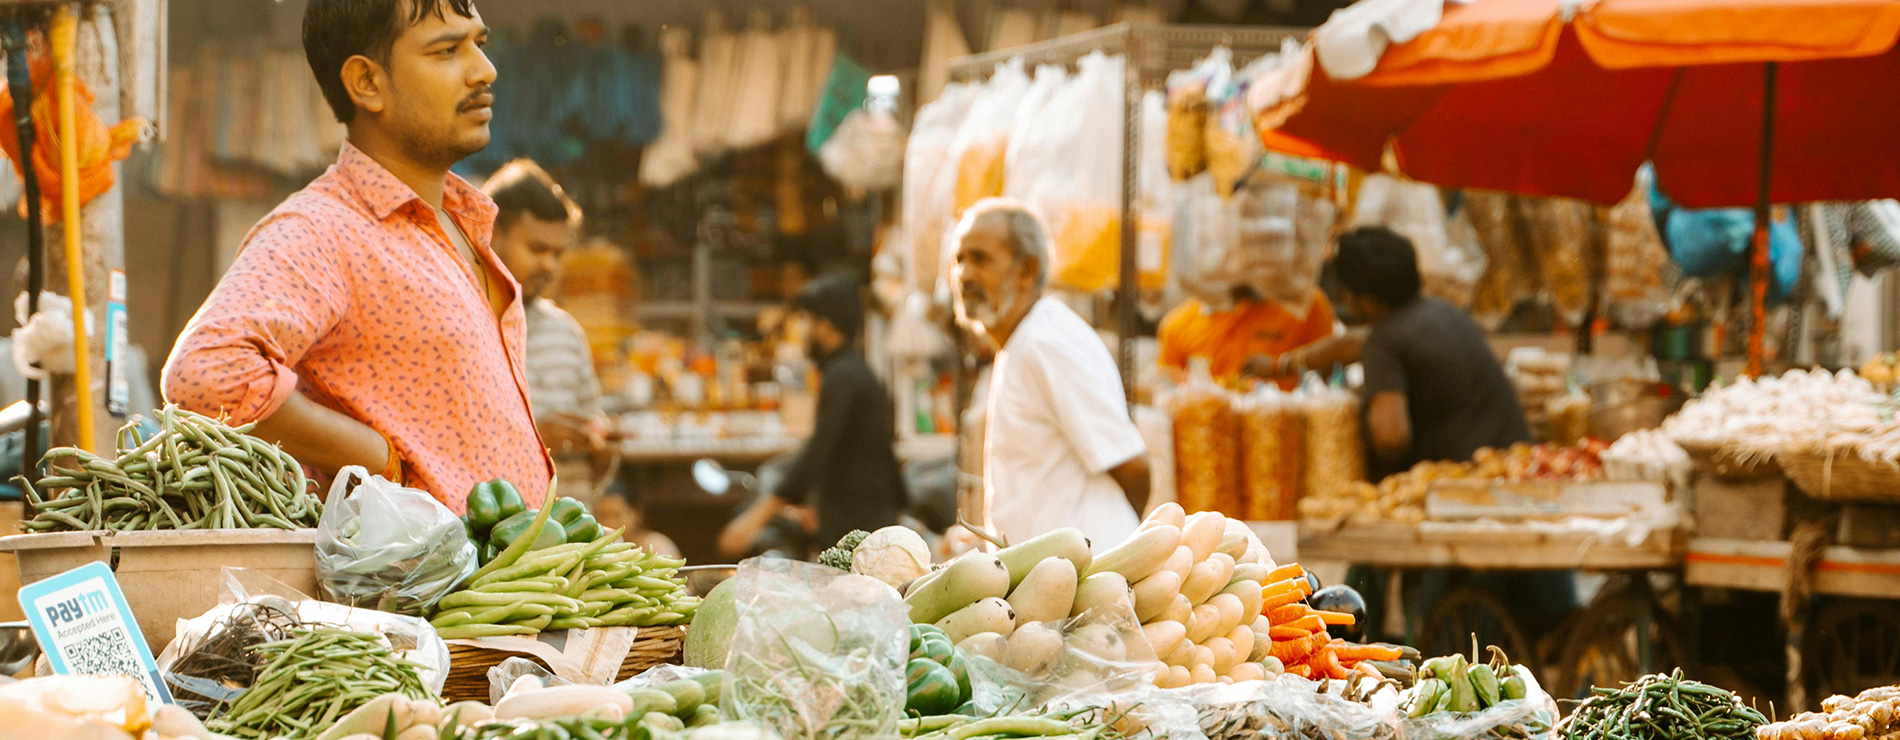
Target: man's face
{"x": 531, "y": 249}
{"x": 440, "y": 82}
{"x": 990, "y": 279}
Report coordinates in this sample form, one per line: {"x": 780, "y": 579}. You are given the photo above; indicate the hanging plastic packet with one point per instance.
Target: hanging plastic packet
{"x": 983, "y": 139}
{"x": 1188, "y": 111}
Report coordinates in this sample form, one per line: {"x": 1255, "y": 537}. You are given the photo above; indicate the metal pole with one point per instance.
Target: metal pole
{"x": 20, "y": 86}
{"x": 1127, "y": 293}
{"x": 1759, "y": 269}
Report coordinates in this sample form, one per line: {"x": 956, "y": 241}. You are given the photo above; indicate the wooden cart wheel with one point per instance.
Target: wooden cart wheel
{"x": 1854, "y": 645}
{"x": 1621, "y": 637}
{"x": 1472, "y": 610}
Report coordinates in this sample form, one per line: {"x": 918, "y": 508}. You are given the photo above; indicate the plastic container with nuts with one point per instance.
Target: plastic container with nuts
{"x": 1206, "y": 444}
{"x": 1272, "y": 454}
{"x": 1335, "y": 454}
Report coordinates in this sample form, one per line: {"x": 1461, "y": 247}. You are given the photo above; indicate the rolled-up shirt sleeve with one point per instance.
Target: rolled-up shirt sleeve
{"x": 286, "y": 290}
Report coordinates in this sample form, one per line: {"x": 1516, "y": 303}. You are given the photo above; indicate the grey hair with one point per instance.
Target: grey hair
{"x": 1027, "y": 236}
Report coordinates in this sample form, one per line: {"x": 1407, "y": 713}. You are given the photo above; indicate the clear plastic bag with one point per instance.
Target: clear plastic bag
{"x": 1102, "y": 653}
{"x": 817, "y": 653}
{"x": 389, "y": 548}
{"x": 1568, "y": 417}
{"x": 1210, "y": 270}
{"x": 1233, "y": 148}
{"x": 1285, "y": 236}
{"x": 204, "y": 666}
{"x": 1563, "y": 232}
{"x": 1206, "y": 444}
{"x": 930, "y": 180}
{"x": 1272, "y": 449}
{"x": 1464, "y": 261}
{"x": 1636, "y": 268}
{"x": 1510, "y": 269}
{"x": 1283, "y": 708}
{"x": 1080, "y": 196}
{"x": 982, "y": 141}
{"x": 1031, "y": 151}
{"x": 1335, "y": 454}
{"x": 1529, "y": 718}
{"x": 1188, "y": 111}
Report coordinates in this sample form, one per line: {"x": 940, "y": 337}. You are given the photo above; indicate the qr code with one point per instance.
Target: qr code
{"x": 108, "y": 653}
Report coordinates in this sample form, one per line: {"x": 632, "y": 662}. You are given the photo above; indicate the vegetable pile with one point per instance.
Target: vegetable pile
{"x": 313, "y": 679}
{"x": 1659, "y": 707}
{"x": 600, "y": 583}
{"x": 1875, "y": 713}
{"x": 1451, "y": 684}
{"x": 936, "y": 680}
{"x": 1081, "y": 725}
{"x": 894, "y": 555}
{"x": 1401, "y": 497}
{"x": 195, "y": 473}
{"x": 1297, "y": 634}
{"x": 498, "y": 515}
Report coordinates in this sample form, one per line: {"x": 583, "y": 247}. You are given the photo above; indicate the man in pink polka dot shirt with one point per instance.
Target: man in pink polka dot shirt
{"x": 366, "y": 321}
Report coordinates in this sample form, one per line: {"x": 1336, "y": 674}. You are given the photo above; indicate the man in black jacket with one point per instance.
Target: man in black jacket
{"x": 847, "y": 471}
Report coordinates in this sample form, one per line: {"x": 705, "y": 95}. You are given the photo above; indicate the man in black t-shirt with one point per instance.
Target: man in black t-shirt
{"x": 1434, "y": 390}
{"x": 848, "y": 470}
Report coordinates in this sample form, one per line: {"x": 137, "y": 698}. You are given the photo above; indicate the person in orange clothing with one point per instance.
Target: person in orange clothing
{"x": 1246, "y": 339}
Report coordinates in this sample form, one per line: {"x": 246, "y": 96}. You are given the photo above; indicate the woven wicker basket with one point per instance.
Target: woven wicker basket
{"x": 1842, "y": 477}
{"x": 468, "y": 665}
{"x": 1723, "y": 462}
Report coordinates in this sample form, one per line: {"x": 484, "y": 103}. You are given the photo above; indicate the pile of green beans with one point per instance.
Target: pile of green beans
{"x": 313, "y": 679}
{"x": 195, "y": 473}
{"x": 603, "y": 583}
{"x": 1661, "y": 707}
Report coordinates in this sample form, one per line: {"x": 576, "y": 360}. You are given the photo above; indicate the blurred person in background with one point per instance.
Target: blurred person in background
{"x": 847, "y": 473}
{"x": 535, "y": 224}
{"x": 1244, "y": 339}
{"x": 1060, "y": 450}
{"x": 617, "y": 509}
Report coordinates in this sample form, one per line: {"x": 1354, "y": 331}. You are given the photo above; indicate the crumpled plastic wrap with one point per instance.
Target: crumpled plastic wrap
{"x": 818, "y": 653}
{"x": 254, "y": 605}
{"x": 1272, "y": 449}
{"x": 1103, "y": 655}
{"x": 1284, "y": 708}
{"x": 983, "y": 139}
{"x": 1285, "y": 234}
{"x": 1529, "y": 718}
{"x": 390, "y": 548}
{"x": 1206, "y": 445}
{"x": 1335, "y": 454}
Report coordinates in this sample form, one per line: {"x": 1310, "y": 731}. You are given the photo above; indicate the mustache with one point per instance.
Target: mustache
{"x": 481, "y": 98}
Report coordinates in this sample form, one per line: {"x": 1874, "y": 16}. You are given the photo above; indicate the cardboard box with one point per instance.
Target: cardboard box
{"x": 1741, "y": 510}
{"x": 171, "y": 575}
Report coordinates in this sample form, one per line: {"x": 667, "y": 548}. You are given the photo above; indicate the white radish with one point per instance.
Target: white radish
{"x": 1204, "y": 623}
{"x": 1223, "y": 650}
{"x": 1155, "y": 593}
{"x": 1180, "y": 563}
{"x": 1231, "y": 612}
{"x": 1046, "y": 594}
{"x": 1169, "y": 514}
{"x": 1203, "y": 533}
{"x": 1164, "y": 637}
{"x": 561, "y": 701}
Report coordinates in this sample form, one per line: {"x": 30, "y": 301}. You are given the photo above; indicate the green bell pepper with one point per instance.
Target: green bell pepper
{"x": 491, "y": 502}
{"x": 505, "y": 533}
{"x": 573, "y": 516}
{"x": 931, "y": 689}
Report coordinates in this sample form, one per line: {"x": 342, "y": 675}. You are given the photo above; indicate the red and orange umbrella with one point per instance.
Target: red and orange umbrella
{"x": 1737, "y": 102}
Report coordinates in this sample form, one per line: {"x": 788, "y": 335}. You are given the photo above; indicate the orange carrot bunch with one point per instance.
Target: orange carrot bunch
{"x": 1298, "y": 631}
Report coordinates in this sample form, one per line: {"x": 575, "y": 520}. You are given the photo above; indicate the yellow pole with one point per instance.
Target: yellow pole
{"x": 65, "y": 33}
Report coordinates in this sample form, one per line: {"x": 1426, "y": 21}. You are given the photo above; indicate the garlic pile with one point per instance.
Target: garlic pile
{"x": 1757, "y": 418}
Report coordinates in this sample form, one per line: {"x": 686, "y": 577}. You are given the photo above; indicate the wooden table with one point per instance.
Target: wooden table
{"x": 1760, "y": 565}
{"x": 1443, "y": 545}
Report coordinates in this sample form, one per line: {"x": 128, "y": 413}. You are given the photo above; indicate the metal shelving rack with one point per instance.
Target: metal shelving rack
{"x": 1151, "y": 51}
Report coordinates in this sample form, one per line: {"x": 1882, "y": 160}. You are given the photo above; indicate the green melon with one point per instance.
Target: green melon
{"x": 709, "y": 637}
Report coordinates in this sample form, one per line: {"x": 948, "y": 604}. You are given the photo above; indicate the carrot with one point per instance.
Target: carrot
{"x": 1291, "y": 585}
{"x": 1325, "y": 660}
{"x": 1289, "y": 613}
{"x": 1310, "y": 623}
{"x": 1302, "y": 670}
{"x": 1339, "y": 618}
{"x": 1366, "y": 652}
{"x": 1283, "y": 634}
{"x": 1287, "y": 572}
{"x": 1291, "y": 651}
{"x": 1273, "y": 603}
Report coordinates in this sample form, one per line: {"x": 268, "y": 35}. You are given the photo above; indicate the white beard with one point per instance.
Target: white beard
{"x": 987, "y": 313}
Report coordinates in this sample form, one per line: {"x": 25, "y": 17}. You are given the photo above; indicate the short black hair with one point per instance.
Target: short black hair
{"x": 1378, "y": 262}
{"x": 833, "y": 298}
{"x": 335, "y": 30}
{"x": 522, "y": 188}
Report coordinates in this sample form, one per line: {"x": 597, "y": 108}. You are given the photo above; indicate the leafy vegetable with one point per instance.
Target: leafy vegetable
{"x": 839, "y": 556}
